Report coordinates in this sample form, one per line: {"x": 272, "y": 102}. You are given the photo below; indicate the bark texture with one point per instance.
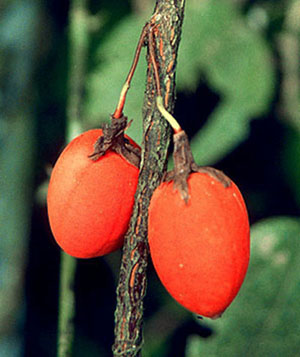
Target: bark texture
{"x": 165, "y": 24}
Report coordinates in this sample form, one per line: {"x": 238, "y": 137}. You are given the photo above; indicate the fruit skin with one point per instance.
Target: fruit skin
{"x": 90, "y": 202}
{"x": 201, "y": 250}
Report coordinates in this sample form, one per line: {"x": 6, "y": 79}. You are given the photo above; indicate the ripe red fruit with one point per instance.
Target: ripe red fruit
{"x": 200, "y": 250}
{"x": 90, "y": 202}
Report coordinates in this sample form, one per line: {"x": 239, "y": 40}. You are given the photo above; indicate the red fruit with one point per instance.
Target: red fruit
{"x": 200, "y": 250}
{"x": 90, "y": 202}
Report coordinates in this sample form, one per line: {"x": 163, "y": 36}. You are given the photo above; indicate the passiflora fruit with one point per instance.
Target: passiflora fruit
{"x": 200, "y": 248}
{"x": 90, "y": 201}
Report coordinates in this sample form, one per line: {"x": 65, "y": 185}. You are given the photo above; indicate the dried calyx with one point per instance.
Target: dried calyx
{"x": 184, "y": 165}
{"x": 113, "y": 139}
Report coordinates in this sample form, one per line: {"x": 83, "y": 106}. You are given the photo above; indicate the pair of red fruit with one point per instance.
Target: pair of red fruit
{"x": 198, "y": 235}
{"x": 198, "y": 228}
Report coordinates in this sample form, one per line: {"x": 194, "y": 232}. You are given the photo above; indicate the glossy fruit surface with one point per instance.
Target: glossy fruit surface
{"x": 200, "y": 251}
{"x": 90, "y": 202}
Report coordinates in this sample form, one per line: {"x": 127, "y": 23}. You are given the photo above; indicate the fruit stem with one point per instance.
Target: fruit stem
{"x": 168, "y": 116}
{"x": 159, "y": 100}
{"x": 153, "y": 60}
{"x": 119, "y": 110}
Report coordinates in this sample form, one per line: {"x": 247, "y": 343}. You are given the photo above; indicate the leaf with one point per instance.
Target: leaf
{"x": 264, "y": 318}
{"x": 218, "y": 45}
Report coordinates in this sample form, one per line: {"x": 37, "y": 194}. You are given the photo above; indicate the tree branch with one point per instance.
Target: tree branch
{"x": 165, "y": 24}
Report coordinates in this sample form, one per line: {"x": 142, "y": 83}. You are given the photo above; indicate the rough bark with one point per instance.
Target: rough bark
{"x": 165, "y": 24}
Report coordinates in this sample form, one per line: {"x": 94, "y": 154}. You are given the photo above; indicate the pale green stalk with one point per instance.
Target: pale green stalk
{"x": 78, "y": 48}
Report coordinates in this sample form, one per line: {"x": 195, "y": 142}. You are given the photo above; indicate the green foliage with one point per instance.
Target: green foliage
{"x": 17, "y": 146}
{"x": 236, "y": 61}
{"x": 239, "y": 62}
{"x": 218, "y": 45}
{"x": 263, "y": 319}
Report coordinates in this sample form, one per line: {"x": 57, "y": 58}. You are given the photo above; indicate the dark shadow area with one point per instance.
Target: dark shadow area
{"x": 179, "y": 339}
{"x": 192, "y": 110}
{"x": 256, "y": 166}
{"x": 41, "y": 299}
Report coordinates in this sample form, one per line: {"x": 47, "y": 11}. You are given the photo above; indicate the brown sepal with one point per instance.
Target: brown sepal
{"x": 184, "y": 165}
{"x": 113, "y": 139}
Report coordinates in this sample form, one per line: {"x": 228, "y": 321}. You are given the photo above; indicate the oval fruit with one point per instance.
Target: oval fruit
{"x": 200, "y": 251}
{"x": 90, "y": 202}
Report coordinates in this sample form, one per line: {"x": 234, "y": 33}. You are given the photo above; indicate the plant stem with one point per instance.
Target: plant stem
{"x": 167, "y": 23}
{"x": 66, "y": 305}
{"x": 78, "y": 41}
{"x": 169, "y": 117}
{"x": 289, "y": 46}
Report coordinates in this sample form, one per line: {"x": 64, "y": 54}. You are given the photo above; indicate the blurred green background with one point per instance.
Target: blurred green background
{"x": 238, "y": 98}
